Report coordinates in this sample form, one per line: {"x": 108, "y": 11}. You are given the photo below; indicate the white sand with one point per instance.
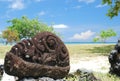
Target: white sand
{"x": 1, "y": 61}
{"x": 7, "y": 77}
{"x": 96, "y": 64}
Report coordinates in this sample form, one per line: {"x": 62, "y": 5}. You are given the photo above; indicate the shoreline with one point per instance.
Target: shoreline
{"x": 75, "y": 44}
{"x": 90, "y": 44}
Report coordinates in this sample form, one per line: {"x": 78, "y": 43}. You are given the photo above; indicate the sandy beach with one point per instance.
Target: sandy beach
{"x": 88, "y": 57}
{"x": 81, "y": 57}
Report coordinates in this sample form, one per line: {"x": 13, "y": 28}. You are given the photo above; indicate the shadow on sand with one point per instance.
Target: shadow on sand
{"x": 104, "y": 50}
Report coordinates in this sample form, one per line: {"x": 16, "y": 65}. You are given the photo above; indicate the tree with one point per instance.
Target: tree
{"x": 10, "y": 36}
{"x": 104, "y": 35}
{"x": 114, "y": 7}
{"x": 27, "y": 28}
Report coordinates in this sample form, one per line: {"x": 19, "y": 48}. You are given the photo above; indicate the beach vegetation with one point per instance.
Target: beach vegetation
{"x": 104, "y": 35}
{"x": 114, "y": 7}
{"x": 27, "y": 28}
{"x": 10, "y": 36}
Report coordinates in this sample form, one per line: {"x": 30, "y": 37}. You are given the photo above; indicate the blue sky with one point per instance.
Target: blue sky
{"x": 76, "y": 20}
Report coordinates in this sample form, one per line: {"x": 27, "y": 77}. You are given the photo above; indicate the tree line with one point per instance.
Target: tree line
{"x": 24, "y": 28}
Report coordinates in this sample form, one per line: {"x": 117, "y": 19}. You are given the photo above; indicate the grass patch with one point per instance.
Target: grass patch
{"x": 103, "y": 50}
{"x": 90, "y": 49}
{"x": 106, "y": 77}
{"x": 99, "y": 77}
{"x": 3, "y": 50}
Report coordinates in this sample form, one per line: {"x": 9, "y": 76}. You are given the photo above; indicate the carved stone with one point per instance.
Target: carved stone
{"x": 114, "y": 60}
{"x": 1, "y": 71}
{"x": 44, "y": 55}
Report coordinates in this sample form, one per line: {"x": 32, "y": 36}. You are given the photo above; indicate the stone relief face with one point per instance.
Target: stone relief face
{"x": 45, "y": 54}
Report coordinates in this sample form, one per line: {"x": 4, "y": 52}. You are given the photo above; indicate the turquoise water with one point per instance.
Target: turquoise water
{"x": 89, "y": 43}
{"x": 2, "y": 42}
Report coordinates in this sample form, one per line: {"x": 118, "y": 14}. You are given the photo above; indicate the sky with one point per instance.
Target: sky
{"x": 75, "y": 20}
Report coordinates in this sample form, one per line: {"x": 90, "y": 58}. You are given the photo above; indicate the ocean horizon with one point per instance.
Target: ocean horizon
{"x": 90, "y": 42}
{"x": 3, "y": 43}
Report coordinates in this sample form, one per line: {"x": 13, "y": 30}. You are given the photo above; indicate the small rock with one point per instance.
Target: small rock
{"x": 1, "y": 71}
{"x": 81, "y": 75}
{"x": 41, "y": 79}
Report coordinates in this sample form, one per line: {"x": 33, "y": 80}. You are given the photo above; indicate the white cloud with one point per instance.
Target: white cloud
{"x": 41, "y": 13}
{"x": 60, "y": 26}
{"x": 17, "y": 4}
{"x": 86, "y": 1}
{"x": 38, "y": 0}
{"x": 0, "y": 32}
{"x": 83, "y": 35}
{"x": 100, "y": 5}
{"x": 77, "y": 7}
{"x": 6, "y": 0}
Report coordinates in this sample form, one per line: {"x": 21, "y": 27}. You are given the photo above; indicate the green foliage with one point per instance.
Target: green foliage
{"x": 107, "y": 1}
{"x": 96, "y": 39}
{"x": 10, "y": 36}
{"x": 27, "y": 28}
{"x": 104, "y": 35}
{"x": 114, "y": 7}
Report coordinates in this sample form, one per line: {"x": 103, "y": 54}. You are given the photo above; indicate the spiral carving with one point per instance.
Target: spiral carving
{"x": 43, "y": 55}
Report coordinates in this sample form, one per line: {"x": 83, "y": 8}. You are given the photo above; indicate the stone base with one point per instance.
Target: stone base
{"x": 7, "y": 77}
{"x": 79, "y": 75}
{"x": 41, "y": 79}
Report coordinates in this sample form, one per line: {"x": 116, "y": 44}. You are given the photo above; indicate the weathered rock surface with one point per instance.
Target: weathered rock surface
{"x": 44, "y": 55}
{"x": 1, "y": 71}
{"x": 78, "y": 75}
{"x": 81, "y": 75}
{"x": 114, "y": 60}
{"x": 41, "y": 79}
